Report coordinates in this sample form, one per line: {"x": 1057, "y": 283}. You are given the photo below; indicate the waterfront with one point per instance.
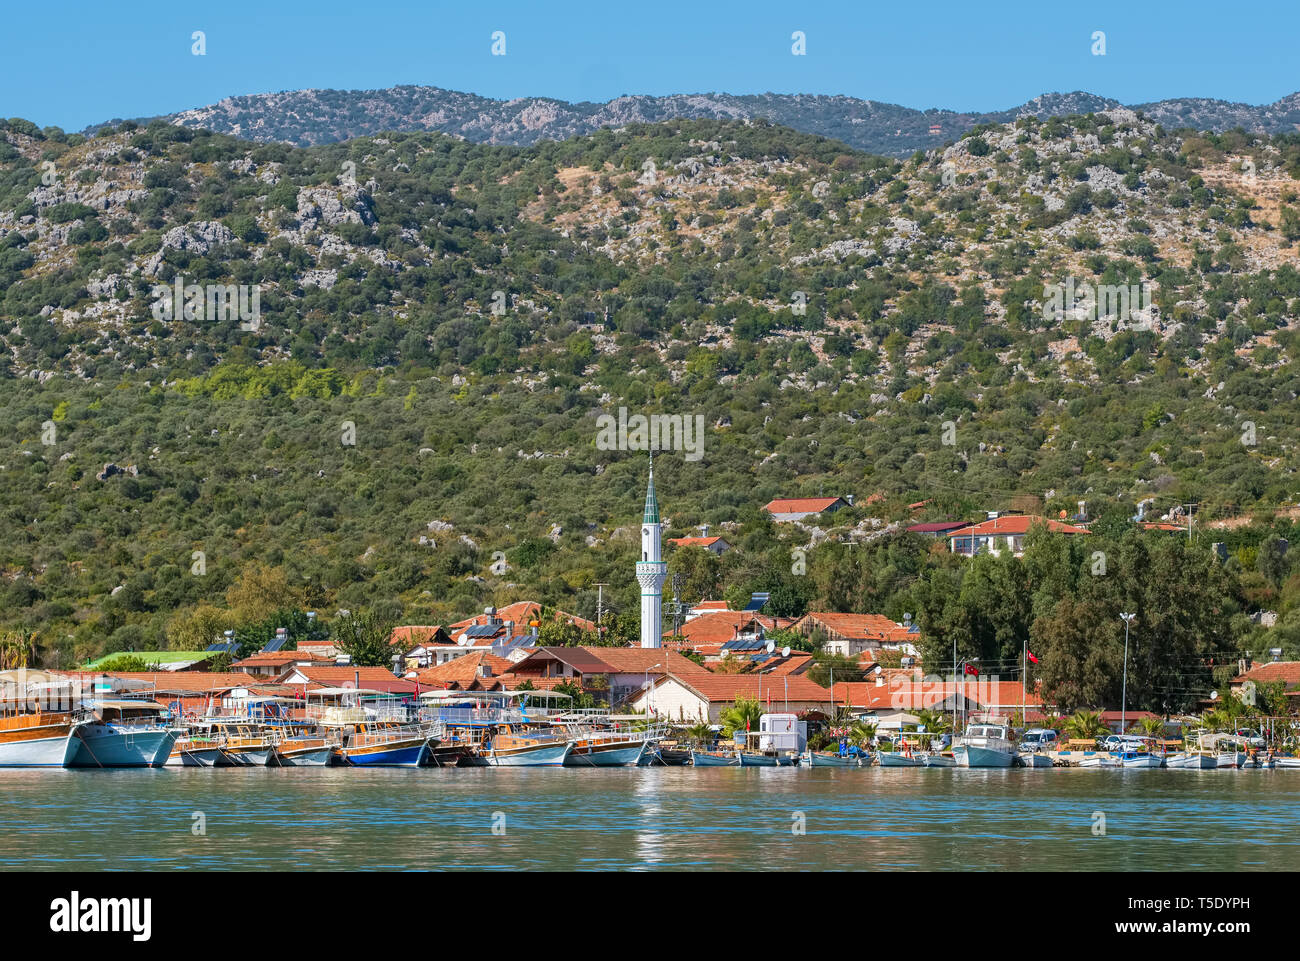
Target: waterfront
{"x": 648, "y": 818}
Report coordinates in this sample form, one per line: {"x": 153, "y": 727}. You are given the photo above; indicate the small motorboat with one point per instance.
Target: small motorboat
{"x": 1287, "y": 763}
{"x": 1192, "y": 761}
{"x": 1033, "y": 759}
{"x": 827, "y": 759}
{"x": 1100, "y": 759}
{"x": 715, "y": 759}
{"x": 1141, "y": 759}
{"x": 899, "y": 759}
{"x": 938, "y": 759}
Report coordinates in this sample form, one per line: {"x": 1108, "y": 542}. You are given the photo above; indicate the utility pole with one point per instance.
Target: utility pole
{"x": 600, "y": 598}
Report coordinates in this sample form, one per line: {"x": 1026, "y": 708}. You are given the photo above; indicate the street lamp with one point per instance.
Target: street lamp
{"x": 1123, "y": 697}
{"x": 647, "y": 684}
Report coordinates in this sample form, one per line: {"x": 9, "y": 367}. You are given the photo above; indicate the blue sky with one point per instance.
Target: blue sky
{"x": 75, "y": 62}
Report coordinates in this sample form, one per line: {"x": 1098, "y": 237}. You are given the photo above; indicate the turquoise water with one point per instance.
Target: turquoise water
{"x": 635, "y": 818}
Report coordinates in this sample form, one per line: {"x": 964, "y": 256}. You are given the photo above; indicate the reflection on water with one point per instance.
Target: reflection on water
{"x": 619, "y": 818}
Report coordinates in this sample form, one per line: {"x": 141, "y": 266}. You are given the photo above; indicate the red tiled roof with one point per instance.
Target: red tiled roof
{"x": 694, "y": 541}
{"x": 937, "y": 527}
{"x": 375, "y": 678}
{"x": 1288, "y": 672}
{"x": 796, "y": 663}
{"x": 705, "y": 606}
{"x": 725, "y": 687}
{"x": 409, "y": 635}
{"x": 800, "y": 505}
{"x": 271, "y": 658}
{"x": 631, "y": 660}
{"x": 874, "y": 627}
{"x": 520, "y": 613}
{"x": 718, "y": 627}
{"x": 172, "y": 680}
{"x": 464, "y": 669}
{"x": 1013, "y": 524}
{"x": 901, "y": 692}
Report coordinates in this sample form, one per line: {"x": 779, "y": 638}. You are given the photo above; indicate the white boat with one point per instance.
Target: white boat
{"x": 1230, "y": 760}
{"x": 1034, "y": 759}
{"x": 1101, "y": 759}
{"x": 609, "y": 748}
{"x": 123, "y": 733}
{"x": 1192, "y": 761}
{"x": 521, "y": 746}
{"x": 937, "y": 759}
{"x": 1287, "y": 763}
{"x": 985, "y": 745}
{"x": 1141, "y": 759}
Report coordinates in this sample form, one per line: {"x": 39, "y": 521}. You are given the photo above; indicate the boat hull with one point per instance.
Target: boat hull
{"x": 107, "y": 745}
{"x": 968, "y": 755}
{"x": 258, "y": 757}
{"x": 392, "y": 755}
{"x": 1287, "y": 763}
{"x": 1191, "y": 762}
{"x": 816, "y": 759}
{"x": 53, "y": 751}
{"x": 318, "y": 756}
{"x": 1230, "y": 761}
{"x": 1035, "y": 760}
{"x": 1143, "y": 761}
{"x": 705, "y": 759}
{"x": 607, "y": 756}
{"x": 207, "y": 756}
{"x": 894, "y": 759}
{"x": 1101, "y": 761}
{"x": 547, "y": 755}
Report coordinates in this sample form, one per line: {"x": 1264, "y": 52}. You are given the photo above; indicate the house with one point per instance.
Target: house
{"x": 707, "y": 607}
{"x": 461, "y": 673}
{"x": 854, "y": 634}
{"x": 797, "y": 508}
{"x": 892, "y": 692}
{"x": 937, "y": 529}
{"x": 268, "y": 665}
{"x": 1246, "y": 684}
{"x": 363, "y": 678}
{"x": 702, "y": 697}
{"x": 163, "y": 660}
{"x": 186, "y": 691}
{"x": 1003, "y": 533}
{"x": 519, "y": 614}
{"x": 708, "y": 633}
{"x": 714, "y": 545}
{"x": 618, "y": 670}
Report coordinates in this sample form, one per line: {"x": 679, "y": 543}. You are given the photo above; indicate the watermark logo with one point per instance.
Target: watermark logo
{"x": 499, "y": 823}
{"x": 948, "y": 434}
{"x": 49, "y": 176}
{"x": 799, "y": 303}
{"x": 199, "y": 827}
{"x": 798, "y": 824}
{"x": 1099, "y": 43}
{"x": 199, "y": 565}
{"x": 498, "y": 43}
{"x": 1098, "y": 564}
{"x": 209, "y": 302}
{"x": 799, "y": 562}
{"x": 49, "y": 433}
{"x": 1248, "y": 433}
{"x": 1129, "y": 304}
{"x": 800, "y": 46}
{"x": 73, "y": 915}
{"x": 1098, "y": 824}
{"x": 653, "y": 432}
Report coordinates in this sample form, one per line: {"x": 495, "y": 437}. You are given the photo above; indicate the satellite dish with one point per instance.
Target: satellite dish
{"x": 877, "y": 670}
{"x": 1214, "y": 695}
{"x": 771, "y": 646}
{"x": 785, "y": 652}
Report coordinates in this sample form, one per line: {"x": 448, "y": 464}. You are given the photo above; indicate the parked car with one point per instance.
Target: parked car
{"x": 1039, "y": 739}
{"x": 1124, "y": 742}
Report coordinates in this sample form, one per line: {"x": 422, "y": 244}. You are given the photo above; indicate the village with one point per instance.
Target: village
{"x": 713, "y": 688}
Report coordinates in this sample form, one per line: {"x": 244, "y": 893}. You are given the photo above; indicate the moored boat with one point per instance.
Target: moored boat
{"x": 123, "y": 733}
{"x": 898, "y": 759}
{"x": 1191, "y": 761}
{"x": 1140, "y": 759}
{"x": 526, "y": 746}
{"x": 938, "y": 759}
{"x": 1033, "y": 759}
{"x": 985, "y": 745}
{"x": 608, "y": 748}
{"x": 826, "y": 759}
{"x": 37, "y": 739}
{"x": 302, "y": 750}
{"x": 715, "y": 759}
{"x": 384, "y": 744}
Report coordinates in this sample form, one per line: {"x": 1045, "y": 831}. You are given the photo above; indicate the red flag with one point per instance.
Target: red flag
{"x": 1031, "y": 655}
{"x": 972, "y": 669}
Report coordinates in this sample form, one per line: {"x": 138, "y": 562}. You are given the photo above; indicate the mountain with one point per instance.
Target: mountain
{"x": 307, "y": 117}
{"x": 441, "y": 325}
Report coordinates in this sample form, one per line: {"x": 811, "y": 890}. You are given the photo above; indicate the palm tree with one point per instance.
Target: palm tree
{"x": 1150, "y": 726}
{"x": 1085, "y": 725}
{"x": 701, "y": 733}
{"x": 741, "y": 716}
{"x": 861, "y": 733}
{"x": 935, "y": 722}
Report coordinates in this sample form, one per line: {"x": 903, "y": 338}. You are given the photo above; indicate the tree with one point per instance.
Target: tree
{"x": 259, "y": 592}
{"x": 743, "y": 715}
{"x": 364, "y": 638}
{"x": 1085, "y": 725}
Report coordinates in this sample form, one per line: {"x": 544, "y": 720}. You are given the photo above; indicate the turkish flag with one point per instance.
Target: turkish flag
{"x": 1031, "y": 655}
{"x": 972, "y": 669}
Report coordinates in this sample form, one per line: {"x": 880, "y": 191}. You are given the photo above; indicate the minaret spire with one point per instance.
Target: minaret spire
{"x": 651, "y": 570}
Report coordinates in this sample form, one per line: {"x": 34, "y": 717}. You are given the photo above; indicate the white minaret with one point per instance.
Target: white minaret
{"x": 651, "y": 570}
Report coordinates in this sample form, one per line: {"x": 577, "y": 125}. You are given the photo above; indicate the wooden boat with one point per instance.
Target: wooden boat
{"x": 383, "y": 744}
{"x": 1140, "y": 759}
{"x": 899, "y": 759}
{"x": 1101, "y": 759}
{"x": 302, "y": 750}
{"x": 37, "y": 739}
{"x": 1033, "y": 759}
{"x": 666, "y": 756}
{"x": 519, "y": 745}
{"x": 197, "y": 749}
{"x": 1230, "y": 760}
{"x": 244, "y": 743}
{"x": 609, "y": 748}
{"x": 123, "y": 733}
{"x": 715, "y": 759}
